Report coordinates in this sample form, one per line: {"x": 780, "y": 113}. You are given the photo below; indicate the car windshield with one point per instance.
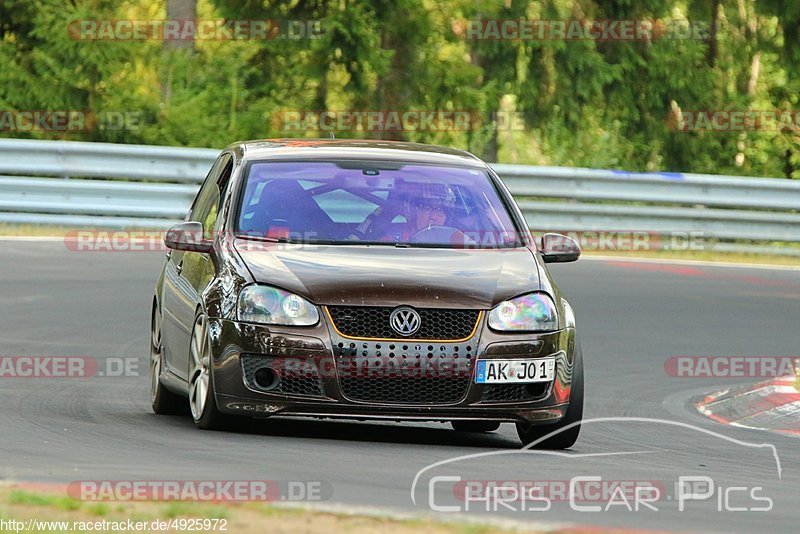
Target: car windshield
{"x": 363, "y": 202}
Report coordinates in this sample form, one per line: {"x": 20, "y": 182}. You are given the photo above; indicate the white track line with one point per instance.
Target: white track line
{"x": 45, "y": 238}
{"x": 462, "y": 518}
{"x": 707, "y": 263}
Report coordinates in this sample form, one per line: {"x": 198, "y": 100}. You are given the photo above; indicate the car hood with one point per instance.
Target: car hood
{"x": 389, "y": 276}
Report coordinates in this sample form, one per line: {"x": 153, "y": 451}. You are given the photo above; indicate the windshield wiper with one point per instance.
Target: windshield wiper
{"x": 268, "y": 239}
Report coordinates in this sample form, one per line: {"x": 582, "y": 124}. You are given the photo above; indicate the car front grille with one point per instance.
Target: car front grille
{"x": 293, "y": 377}
{"x": 372, "y": 322}
{"x": 514, "y": 392}
{"x": 404, "y": 373}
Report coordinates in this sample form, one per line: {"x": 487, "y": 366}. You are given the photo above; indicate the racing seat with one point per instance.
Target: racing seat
{"x": 284, "y": 207}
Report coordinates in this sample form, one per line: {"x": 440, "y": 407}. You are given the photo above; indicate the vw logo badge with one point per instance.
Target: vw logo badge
{"x": 405, "y": 321}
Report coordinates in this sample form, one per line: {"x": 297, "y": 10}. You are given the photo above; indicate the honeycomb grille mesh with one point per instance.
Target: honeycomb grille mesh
{"x": 514, "y": 392}
{"x": 404, "y": 373}
{"x": 373, "y": 322}
{"x": 295, "y": 377}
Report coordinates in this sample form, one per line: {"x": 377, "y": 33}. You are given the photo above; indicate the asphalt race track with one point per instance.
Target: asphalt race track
{"x": 631, "y": 317}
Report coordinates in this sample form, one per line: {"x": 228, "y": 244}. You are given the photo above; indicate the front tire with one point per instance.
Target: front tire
{"x": 163, "y": 401}
{"x": 202, "y": 401}
{"x": 572, "y": 419}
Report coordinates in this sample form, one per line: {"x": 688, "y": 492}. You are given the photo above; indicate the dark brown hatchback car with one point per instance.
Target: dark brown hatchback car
{"x": 364, "y": 279}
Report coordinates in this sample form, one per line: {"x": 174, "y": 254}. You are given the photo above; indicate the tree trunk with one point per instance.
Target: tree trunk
{"x": 490, "y": 149}
{"x": 711, "y": 55}
{"x": 182, "y": 10}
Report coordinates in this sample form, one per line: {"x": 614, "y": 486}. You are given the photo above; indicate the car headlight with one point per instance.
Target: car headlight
{"x": 270, "y": 305}
{"x": 535, "y": 312}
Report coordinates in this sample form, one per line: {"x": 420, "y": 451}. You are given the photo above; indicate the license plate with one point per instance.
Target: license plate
{"x": 515, "y": 371}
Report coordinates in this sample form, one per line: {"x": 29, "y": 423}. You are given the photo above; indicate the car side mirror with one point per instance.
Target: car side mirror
{"x": 188, "y": 236}
{"x": 557, "y": 248}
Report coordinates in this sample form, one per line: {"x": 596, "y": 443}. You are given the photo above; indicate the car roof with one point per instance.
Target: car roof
{"x": 358, "y": 149}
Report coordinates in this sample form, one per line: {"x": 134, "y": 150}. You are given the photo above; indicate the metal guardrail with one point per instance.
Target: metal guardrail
{"x": 105, "y": 160}
{"x": 111, "y": 185}
{"x": 722, "y": 208}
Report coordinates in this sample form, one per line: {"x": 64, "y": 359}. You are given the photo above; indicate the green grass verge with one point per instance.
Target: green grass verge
{"x": 22, "y": 502}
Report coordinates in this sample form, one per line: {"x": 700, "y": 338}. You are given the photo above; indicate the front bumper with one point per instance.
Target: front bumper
{"x": 317, "y": 353}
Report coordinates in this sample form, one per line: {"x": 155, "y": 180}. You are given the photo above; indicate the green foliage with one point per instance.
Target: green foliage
{"x": 583, "y": 102}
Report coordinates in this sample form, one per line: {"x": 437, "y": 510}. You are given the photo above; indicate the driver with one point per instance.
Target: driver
{"x": 424, "y": 208}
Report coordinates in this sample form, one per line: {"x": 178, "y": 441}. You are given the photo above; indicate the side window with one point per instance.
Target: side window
{"x": 202, "y": 193}
{"x": 223, "y": 182}
{"x": 206, "y": 207}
